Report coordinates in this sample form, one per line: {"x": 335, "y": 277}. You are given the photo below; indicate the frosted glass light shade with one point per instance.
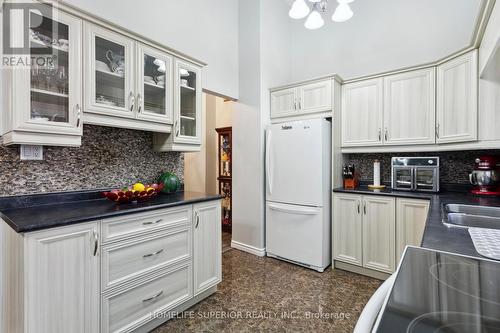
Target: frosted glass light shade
{"x": 345, "y": 1}
{"x": 314, "y": 21}
{"x": 299, "y": 10}
{"x": 342, "y": 13}
{"x": 314, "y": 1}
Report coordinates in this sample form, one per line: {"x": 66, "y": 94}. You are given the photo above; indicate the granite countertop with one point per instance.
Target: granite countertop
{"x": 31, "y": 213}
{"x": 437, "y": 235}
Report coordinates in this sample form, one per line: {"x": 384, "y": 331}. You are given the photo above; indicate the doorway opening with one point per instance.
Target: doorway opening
{"x": 210, "y": 169}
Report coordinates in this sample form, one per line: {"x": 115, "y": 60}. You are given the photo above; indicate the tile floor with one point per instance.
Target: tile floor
{"x": 268, "y": 295}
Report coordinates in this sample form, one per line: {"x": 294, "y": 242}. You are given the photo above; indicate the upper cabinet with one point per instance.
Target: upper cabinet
{"x": 42, "y": 101}
{"x": 362, "y": 113}
{"x": 304, "y": 99}
{"x": 457, "y": 101}
{"x": 186, "y": 131}
{"x": 127, "y": 84}
{"x": 409, "y": 108}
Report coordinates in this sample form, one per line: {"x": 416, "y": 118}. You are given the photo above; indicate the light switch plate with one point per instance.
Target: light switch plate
{"x": 31, "y": 152}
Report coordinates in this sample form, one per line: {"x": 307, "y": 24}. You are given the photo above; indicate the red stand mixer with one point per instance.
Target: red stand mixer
{"x": 486, "y": 176}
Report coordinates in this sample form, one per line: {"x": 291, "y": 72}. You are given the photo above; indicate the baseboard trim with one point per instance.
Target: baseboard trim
{"x": 248, "y": 248}
{"x": 360, "y": 270}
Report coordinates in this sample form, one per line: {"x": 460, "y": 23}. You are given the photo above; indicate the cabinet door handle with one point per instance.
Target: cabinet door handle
{"x": 131, "y": 100}
{"x": 300, "y": 105}
{"x": 78, "y": 115}
{"x": 153, "y": 297}
{"x": 437, "y": 131}
{"x": 364, "y": 208}
{"x": 96, "y": 242}
{"x": 139, "y": 103}
{"x": 386, "y": 135}
{"x": 295, "y": 105}
{"x": 153, "y": 253}
{"x": 359, "y": 210}
{"x": 176, "y": 128}
{"x": 379, "y": 134}
{"x": 197, "y": 221}
{"x": 151, "y": 222}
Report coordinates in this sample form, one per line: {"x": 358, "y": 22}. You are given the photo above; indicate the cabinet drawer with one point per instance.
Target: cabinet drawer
{"x": 129, "y": 309}
{"x": 124, "y": 260}
{"x": 143, "y": 223}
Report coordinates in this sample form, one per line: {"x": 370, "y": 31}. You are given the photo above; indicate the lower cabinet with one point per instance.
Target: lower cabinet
{"x": 371, "y": 231}
{"x": 78, "y": 279}
{"x": 207, "y": 246}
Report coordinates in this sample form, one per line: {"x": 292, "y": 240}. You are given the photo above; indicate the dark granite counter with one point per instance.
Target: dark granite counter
{"x": 30, "y": 213}
{"x": 437, "y": 235}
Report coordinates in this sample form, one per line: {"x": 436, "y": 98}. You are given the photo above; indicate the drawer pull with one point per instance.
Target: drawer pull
{"x": 153, "y": 297}
{"x": 153, "y": 254}
{"x": 155, "y": 222}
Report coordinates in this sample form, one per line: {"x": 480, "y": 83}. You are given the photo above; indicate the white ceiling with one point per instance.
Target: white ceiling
{"x": 383, "y": 35}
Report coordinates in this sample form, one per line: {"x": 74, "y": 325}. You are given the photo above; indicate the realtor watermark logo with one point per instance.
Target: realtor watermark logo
{"x": 21, "y": 43}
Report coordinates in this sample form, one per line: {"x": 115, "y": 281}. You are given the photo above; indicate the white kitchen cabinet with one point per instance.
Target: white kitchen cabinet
{"x": 409, "y": 108}
{"x": 379, "y": 233}
{"x": 207, "y": 252}
{"x": 42, "y": 102}
{"x": 62, "y": 280}
{"x": 457, "y": 99}
{"x": 411, "y": 216}
{"x": 313, "y": 97}
{"x": 284, "y": 103}
{"x": 186, "y": 131}
{"x": 347, "y": 228}
{"x": 362, "y": 113}
{"x": 125, "y": 85}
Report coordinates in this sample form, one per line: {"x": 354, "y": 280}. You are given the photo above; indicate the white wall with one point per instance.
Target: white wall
{"x": 383, "y": 35}
{"x": 264, "y": 62}
{"x": 206, "y": 30}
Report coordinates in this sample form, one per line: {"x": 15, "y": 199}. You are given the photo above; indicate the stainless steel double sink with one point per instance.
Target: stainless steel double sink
{"x": 466, "y": 216}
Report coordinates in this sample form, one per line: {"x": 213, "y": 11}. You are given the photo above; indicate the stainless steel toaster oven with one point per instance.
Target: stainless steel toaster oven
{"x": 415, "y": 174}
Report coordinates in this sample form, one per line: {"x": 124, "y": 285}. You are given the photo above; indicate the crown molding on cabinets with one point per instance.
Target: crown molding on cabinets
{"x": 477, "y": 36}
{"x": 335, "y": 77}
{"x": 61, "y": 5}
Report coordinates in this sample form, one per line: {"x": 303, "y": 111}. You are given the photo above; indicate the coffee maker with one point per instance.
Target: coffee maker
{"x": 486, "y": 176}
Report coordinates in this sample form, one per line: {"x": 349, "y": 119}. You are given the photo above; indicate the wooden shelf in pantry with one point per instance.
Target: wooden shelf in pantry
{"x": 188, "y": 118}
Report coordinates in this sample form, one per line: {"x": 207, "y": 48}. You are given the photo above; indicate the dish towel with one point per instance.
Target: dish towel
{"x": 486, "y": 242}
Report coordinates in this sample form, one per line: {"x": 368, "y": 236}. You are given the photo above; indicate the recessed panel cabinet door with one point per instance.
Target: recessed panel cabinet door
{"x": 409, "y": 108}
{"x": 457, "y": 104}
{"x": 411, "y": 216}
{"x": 284, "y": 103}
{"x": 362, "y": 109}
{"x": 379, "y": 233}
{"x": 315, "y": 97}
{"x": 347, "y": 241}
{"x": 207, "y": 245}
{"x": 62, "y": 280}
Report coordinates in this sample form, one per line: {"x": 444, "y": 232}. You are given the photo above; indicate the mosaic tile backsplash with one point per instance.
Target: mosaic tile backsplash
{"x": 454, "y": 166}
{"x": 108, "y": 158}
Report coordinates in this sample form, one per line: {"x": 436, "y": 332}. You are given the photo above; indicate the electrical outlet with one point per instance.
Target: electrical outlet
{"x": 30, "y": 152}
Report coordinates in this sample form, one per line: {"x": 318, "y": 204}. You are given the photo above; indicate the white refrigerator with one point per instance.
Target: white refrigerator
{"x": 298, "y": 192}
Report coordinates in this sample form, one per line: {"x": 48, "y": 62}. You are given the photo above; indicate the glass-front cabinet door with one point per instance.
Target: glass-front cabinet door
{"x": 187, "y": 125}
{"x": 109, "y": 87}
{"x": 46, "y": 93}
{"x": 154, "y": 97}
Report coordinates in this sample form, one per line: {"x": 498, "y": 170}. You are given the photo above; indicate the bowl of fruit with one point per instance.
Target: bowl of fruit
{"x": 136, "y": 192}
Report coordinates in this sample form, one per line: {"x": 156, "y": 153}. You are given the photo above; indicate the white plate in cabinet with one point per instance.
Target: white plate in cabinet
{"x": 125, "y": 227}
{"x": 284, "y": 103}
{"x": 457, "y": 99}
{"x": 123, "y": 261}
{"x": 347, "y": 228}
{"x": 129, "y": 309}
{"x": 379, "y": 233}
{"x": 37, "y": 110}
{"x": 315, "y": 97}
{"x": 109, "y": 89}
{"x": 409, "y": 108}
{"x": 207, "y": 255}
{"x": 362, "y": 113}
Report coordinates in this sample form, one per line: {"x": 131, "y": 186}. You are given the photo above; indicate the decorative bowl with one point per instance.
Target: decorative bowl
{"x": 128, "y": 194}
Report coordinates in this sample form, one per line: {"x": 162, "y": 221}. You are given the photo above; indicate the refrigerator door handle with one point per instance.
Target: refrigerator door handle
{"x": 296, "y": 210}
{"x": 268, "y": 161}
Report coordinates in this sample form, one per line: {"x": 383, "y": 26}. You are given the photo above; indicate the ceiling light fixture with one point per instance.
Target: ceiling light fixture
{"x": 314, "y": 8}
